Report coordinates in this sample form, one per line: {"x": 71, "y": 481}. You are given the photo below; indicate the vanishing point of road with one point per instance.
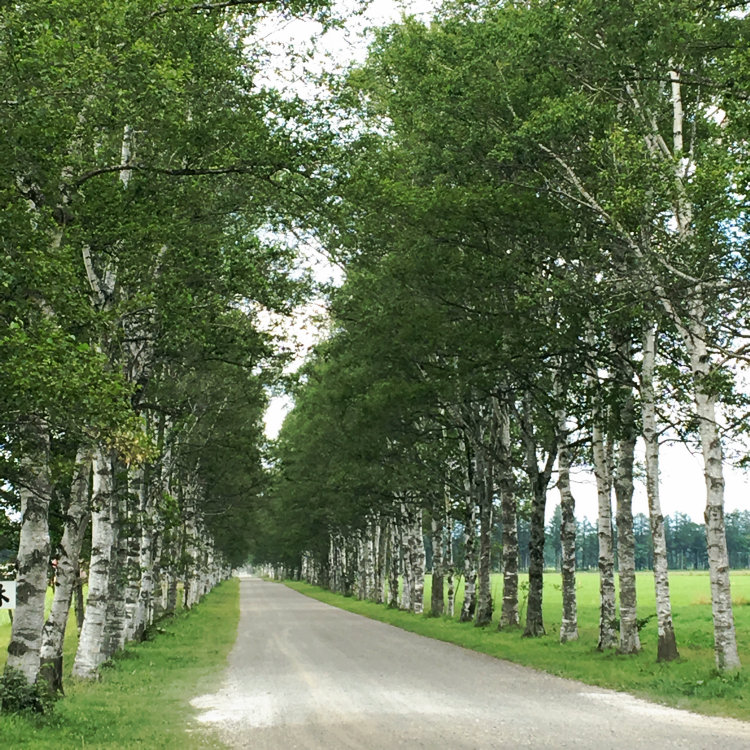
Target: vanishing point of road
{"x": 306, "y": 675}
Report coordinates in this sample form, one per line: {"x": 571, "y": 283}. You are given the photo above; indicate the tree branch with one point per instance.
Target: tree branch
{"x": 164, "y": 10}
{"x": 183, "y": 172}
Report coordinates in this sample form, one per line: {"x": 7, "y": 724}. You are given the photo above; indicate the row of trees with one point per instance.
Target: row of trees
{"x": 140, "y": 169}
{"x": 541, "y": 208}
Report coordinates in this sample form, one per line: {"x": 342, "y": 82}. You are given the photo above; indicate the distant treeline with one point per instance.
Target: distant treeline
{"x": 686, "y": 542}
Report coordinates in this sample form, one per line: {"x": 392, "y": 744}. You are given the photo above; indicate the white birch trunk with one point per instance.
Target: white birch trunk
{"x": 539, "y": 480}
{"x": 417, "y": 557}
{"x": 380, "y": 547}
{"x": 68, "y": 572}
{"x": 509, "y": 617}
{"x": 667, "y": 644}
{"x": 569, "y": 622}
{"x": 191, "y": 549}
{"x": 484, "y": 486}
{"x": 725, "y": 639}
{"x": 394, "y": 545}
{"x": 115, "y": 619}
{"x": 370, "y": 560}
{"x": 361, "y": 566}
{"x": 406, "y": 561}
{"x": 334, "y": 562}
{"x": 451, "y": 565}
{"x": 132, "y": 546}
{"x": 603, "y": 474}
{"x": 144, "y": 611}
{"x": 470, "y": 566}
{"x": 332, "y": 572}
{"x": 630, "y": 642}
{"x": 33, "y": 554}
{"x": 437, "y": 601}
{"x": 91, "y": 651}
{"x": 694, "y": 332}
{"x": 157, "y": 601}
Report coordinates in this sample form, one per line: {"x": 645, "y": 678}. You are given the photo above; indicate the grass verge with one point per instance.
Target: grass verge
{"x": 143, "y": 697}
{"x": 692, "y": 682}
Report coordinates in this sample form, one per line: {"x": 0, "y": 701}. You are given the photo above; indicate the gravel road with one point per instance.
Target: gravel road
{"x": 303, "y": 674}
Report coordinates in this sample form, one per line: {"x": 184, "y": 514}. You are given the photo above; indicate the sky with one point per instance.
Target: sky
{"x": 682, "y": 484}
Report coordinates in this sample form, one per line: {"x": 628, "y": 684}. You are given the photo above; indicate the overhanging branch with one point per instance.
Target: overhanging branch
{"x": 182, "y": 172}
{"x": 194, "y": 7}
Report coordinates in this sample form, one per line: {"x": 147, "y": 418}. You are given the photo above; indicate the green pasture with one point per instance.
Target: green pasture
{"x": 143, "y": 697}
{"x": 692, "y": 682}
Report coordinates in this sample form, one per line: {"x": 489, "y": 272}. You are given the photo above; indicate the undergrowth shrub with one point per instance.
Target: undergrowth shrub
{"x": 17, "y": 695}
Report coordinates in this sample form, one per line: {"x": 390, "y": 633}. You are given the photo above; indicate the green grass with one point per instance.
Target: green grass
{"x": 692, "y": 682}
{"x": 142, "y": 699}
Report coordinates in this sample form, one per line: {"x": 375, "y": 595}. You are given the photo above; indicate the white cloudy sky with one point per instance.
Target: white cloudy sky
{"x": 682, "y": 484}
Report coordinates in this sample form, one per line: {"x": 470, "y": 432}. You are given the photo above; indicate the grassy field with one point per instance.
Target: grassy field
{"x": 692, "y": 682}
{"x": 143, "y": 697}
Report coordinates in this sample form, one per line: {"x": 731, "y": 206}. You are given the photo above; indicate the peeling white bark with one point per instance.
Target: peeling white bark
{"x": 484, "y": 483}
{"x": 630, "y": 642}
{"x": 92, "y": 650}
{"x": 509, "y": 617}
{"x": 24, "y": 648}
{"x": 667, "y": 644}
{"x": 144, "y": 610}
{"x": 569, "y": 622}
{"x": 68, "y": 575}
{"x": 470, "y": 566}
{"x": 437, "y": 601}
{"x": 603, "y": 474}
{"x": 418, "y": 565}
{"x": 394, "y": 570}
{"x": 725, "y": 639}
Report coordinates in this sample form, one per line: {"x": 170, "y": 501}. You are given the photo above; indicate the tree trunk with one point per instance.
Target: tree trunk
{"x": 92, "y": 649}
{"x": 33, "y": 553}
{"x": 451, "y": 564}
{"x": 484, "y": 482}
{"x": 534, "y": 618}
{"x": 158, "y": 575}
{"x": 539, "y": 481}
{"x": 569, "y": 623}
{"x": 417, "y": 555}
{"x": 381, "y": 543}
{"x": 170, "y": 605}
{"x": 693, "y": 330}
{"x": 406, "y": 560}
{"x": 725, "y": 639}
{"x": 695, "y": 335}
{"x": 509, "y": 509}
{"x": 333, "y": 577}
{"x": 68, "y": 575}
{"x": 394, "y": 568}
{"x": 131, "y": 536}
{"x": 115, "y": 619}
{"x": 191, "y": 550}
{"x": 630, "y": 642}
{"x": 78, "y": 601}
{"x": 667, "y": 644}
{"x": 437, "y": 599}
{"x": 372, "y": 560}
{"x": 603, "y": 473}
{"x": 144, "y": 611}
{"x": 470, "y": 567}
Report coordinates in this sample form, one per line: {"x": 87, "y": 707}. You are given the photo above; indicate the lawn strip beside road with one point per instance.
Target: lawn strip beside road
{"x": 143, "y": 698}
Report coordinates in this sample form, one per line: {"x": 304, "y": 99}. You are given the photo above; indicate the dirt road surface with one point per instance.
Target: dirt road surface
{"x": 306, "y": 675}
